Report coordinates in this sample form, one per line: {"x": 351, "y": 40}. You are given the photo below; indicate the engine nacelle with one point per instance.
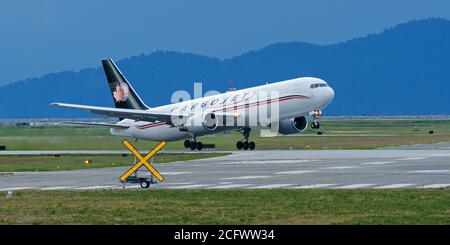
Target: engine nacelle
{"x": 200, "y": 123}
{"x": 210, "y": 121}
{"x": 290, "y": 126}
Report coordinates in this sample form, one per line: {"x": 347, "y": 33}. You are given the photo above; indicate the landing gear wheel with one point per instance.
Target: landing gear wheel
{"x": 187, "y": 143}
{"x": 199, "y": 146}
{"x": 315, "y": 125}
{"x": 193, "y": 145}
{"x": 245, "y": 145}
{"x": 145, "y": 184}
{"x": 251, "y": 145}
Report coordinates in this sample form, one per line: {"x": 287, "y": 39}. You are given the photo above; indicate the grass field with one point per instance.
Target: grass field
{"x": 338, "y": 134}
{"x": 71, "y": 162}
{"x": 277, "y": 206}
{"x": 409, "y": 206}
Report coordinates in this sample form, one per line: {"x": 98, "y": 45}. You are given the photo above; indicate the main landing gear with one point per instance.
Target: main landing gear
{"x": 315, "y": 123}
{"x": 245, "y": 144}
{"x": 193, "y": 144}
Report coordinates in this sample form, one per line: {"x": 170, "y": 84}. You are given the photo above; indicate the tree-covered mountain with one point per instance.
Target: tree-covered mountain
{"x": 402, "y": 70}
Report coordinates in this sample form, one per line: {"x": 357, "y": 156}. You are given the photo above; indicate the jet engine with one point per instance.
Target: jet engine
{"x": 200, "y": 123}
{"x": 290, "y": 126}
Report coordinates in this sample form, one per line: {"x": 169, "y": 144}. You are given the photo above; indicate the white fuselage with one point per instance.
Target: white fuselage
{"x": 293, "y": 98}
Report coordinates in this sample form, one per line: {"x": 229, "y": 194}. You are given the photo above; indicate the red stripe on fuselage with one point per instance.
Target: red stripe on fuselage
{"x": 152, "y": 125}
{"x": 264, "y": 103}
{"x": 236, "y": 108}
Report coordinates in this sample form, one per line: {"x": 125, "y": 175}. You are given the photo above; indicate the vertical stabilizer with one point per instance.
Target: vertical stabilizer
{"x": 124, "y": 96}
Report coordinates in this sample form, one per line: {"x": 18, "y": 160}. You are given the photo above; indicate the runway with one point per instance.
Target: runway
{"x": 96, "y": 152}
{"x": 304, "y": 169}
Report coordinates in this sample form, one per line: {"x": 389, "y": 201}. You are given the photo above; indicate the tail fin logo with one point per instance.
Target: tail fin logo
{"x": 121, "y": 92}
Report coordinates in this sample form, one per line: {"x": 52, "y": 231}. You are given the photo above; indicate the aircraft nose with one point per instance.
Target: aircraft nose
{"x": 327, "y": 95}
{"x": 330, "y": 94}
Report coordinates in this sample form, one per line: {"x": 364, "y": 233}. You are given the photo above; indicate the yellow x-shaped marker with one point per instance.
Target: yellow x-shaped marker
{"x": 143, "y": 160}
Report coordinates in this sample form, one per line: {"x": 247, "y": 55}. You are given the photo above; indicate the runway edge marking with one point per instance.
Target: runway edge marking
{"x": 394, "y": 186}
{"x": 313, "y": 186}
{"x": 354, "y": 186}
{"x": 271, "y": 186}
{"x": 188, "y": 186}
{"x": 433, "y": 186}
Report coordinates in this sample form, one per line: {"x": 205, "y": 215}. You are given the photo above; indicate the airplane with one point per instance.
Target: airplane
{"x": 294, "y": 99}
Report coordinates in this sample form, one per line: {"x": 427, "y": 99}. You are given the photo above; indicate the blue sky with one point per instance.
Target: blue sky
{"x": 42, "y": 36}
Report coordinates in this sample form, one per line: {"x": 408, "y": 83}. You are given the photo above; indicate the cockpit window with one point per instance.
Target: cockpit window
{"x": 317, "y": 85}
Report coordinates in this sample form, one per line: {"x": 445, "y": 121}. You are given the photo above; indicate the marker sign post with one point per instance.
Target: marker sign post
{"x": 142, "y": 161}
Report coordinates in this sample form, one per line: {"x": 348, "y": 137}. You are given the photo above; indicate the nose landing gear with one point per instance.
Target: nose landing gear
{"x": 245, "y": 144}
{"x": 315, "y": 124}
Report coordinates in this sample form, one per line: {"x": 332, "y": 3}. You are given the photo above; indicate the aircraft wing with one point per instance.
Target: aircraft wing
{"x": 106, "y": 125}
{"x": 140, "y": 115}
